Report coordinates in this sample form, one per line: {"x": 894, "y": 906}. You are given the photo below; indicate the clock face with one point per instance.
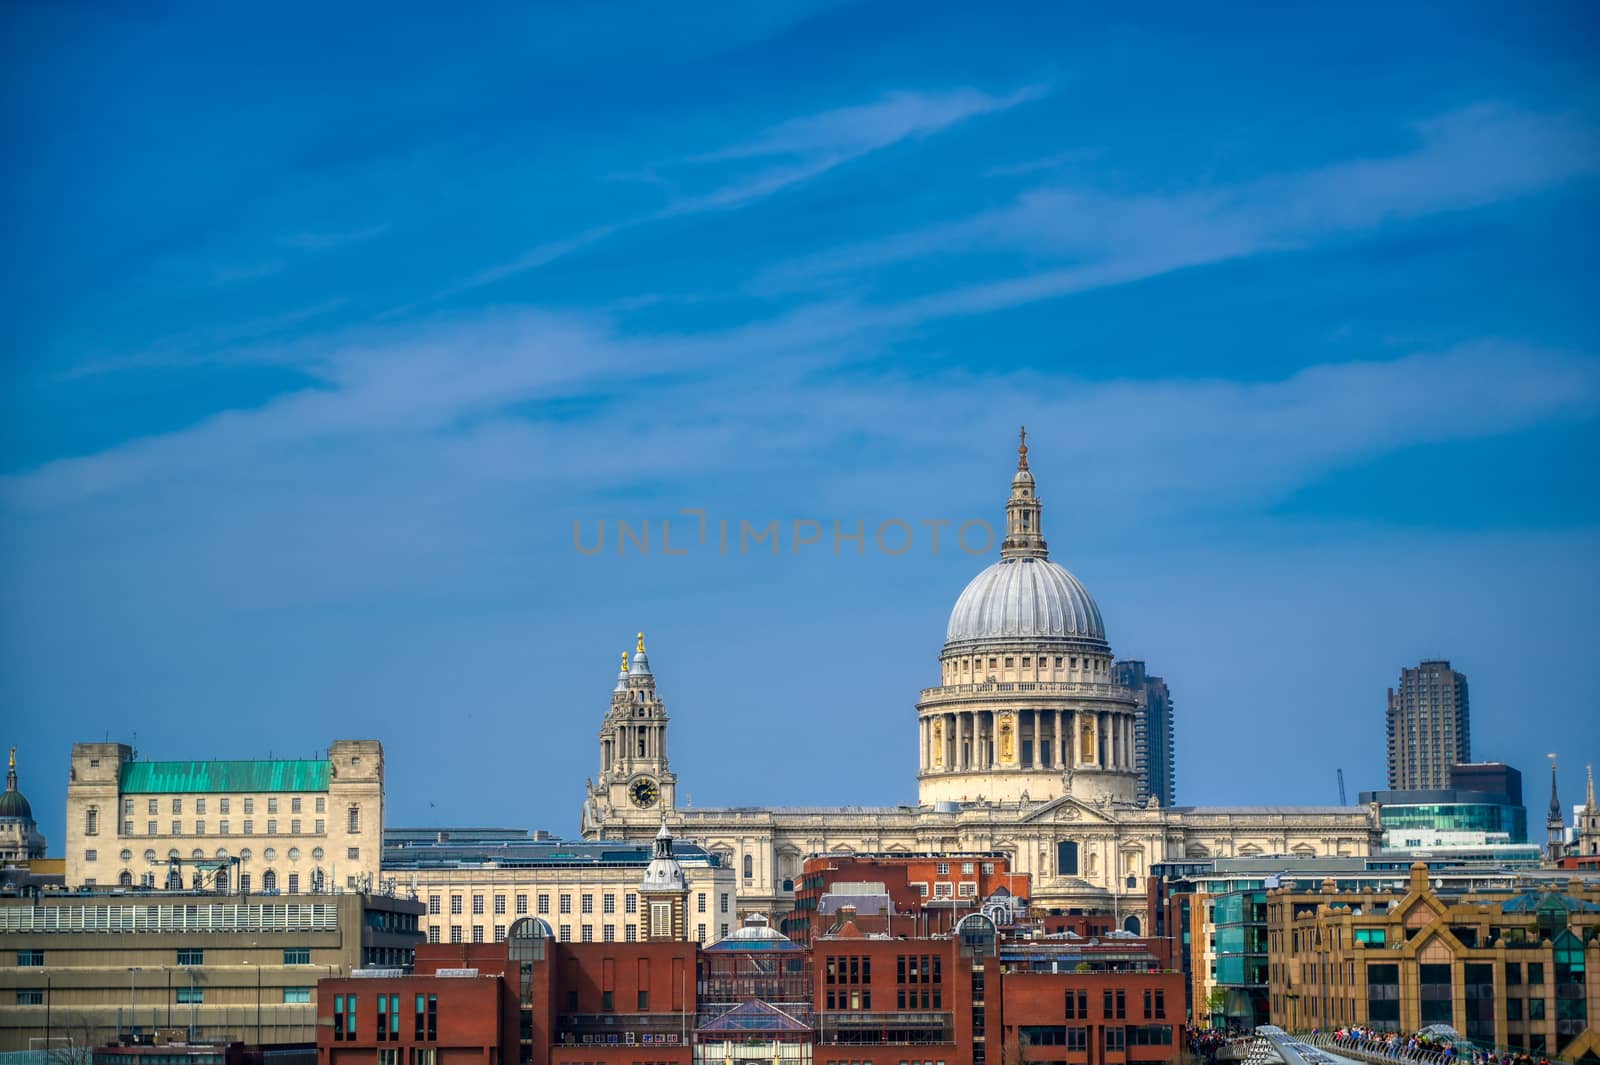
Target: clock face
{"x": 644, "y": 793}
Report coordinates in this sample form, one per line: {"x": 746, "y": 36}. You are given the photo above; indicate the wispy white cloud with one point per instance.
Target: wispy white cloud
{"x": 478, "y": 390}
{"x": 1465, "y": 159}
{"x": 789, "y": 153}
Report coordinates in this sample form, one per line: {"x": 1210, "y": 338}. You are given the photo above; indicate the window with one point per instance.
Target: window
{"x": 455, "y": 905}
{"x": 942, "y": 869}
{"x": 30, "y": 997}
{"x": 272, "y": 805}
{"x": 297, "y": 955}
{"x": 427, "y": 1021}
{"x": 91, "y": 855}
{"x": 249, "y": 806}
{"x": 320, "y": 827}
{"x": 566, "y": 903}
{"x": 722, "y": 902}
{"x": 544, "y": 904}
{"x": 630, "y": 904}
{"x": 522, "y": 904}
{"x": 91, "y": 821}
{"x": 192, "y": 956}
{"x": 297, "y": 995}
{"x": 455, "y": 933}
{"x": 700, "y": 903}
{"x": 149, "y": 828}
{"x": 222, "y": 805}
{"x": 477, "y": 933}
{"x": 966, "y": 868}
{"x": 564, "y": 934}
{"x": 177, "y": 806}
{"x": 353, "y": 820}
{"x": 433, "y": 904}
{"x": 433, "y": 933}
{"x": 320, "y": 804}
{"x": 190, "y": 995}
{"x": 30, "y": 958}
{"x": 499, "y": 905}
{"x": 353, "y": 853}
{"x": 499, "y": 933}
{"x": 477, "y": 905}
{"x": 294, "y": 805}
{"x": 272, "y": 826}
{"x": 1067, "y": 858}
{"x": 631, "y": 933}
{"x": 587, "y": 903}
{"x": 249, "y": 827}
{"x": 222, "y": 827}
{"x": 587, "y": 933}
{"x": 608, "y": 902}
{"x": 608, "y": 934}
{"x": 152, "y": 807}
{"x": 199, "y": 828}
{"x": 749, "y": 867}
{"x": 294, "y": 826}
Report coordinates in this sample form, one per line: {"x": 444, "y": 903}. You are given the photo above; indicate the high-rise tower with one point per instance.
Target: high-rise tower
{"x": 1152, "y": 738}
{"x": 1429, "y": 727}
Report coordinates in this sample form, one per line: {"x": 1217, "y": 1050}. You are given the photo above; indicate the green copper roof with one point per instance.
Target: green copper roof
{"x": 162, "y": 777}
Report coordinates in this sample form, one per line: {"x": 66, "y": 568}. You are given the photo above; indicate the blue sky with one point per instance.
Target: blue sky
{"x": 324, "y": 329}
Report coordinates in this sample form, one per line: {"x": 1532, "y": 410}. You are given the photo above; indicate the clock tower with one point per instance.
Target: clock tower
{"x": 635, "y": 780}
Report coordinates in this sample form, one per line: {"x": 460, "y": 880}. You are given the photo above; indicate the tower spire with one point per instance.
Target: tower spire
{"x": 1024, "y": 524}
{"x": 1556, "y": 823}
{"x": 11, "y": 771}
{"x": 1589, "y": 804}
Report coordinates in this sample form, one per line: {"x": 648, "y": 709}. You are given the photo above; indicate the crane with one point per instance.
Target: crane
{"x": 1341, "y": 788}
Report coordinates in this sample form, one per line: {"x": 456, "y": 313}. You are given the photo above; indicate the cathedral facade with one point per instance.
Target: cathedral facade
{"x": 1026, "y": 748}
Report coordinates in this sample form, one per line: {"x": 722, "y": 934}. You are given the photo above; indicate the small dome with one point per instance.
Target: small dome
{"x": 1025, "y": 598}
{"x": 14, "y": 806}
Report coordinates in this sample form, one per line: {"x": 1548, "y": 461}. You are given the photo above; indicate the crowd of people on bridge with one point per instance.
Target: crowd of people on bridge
{"x": 1204, "y": 1043}
{"x": 1425, "y": 1047}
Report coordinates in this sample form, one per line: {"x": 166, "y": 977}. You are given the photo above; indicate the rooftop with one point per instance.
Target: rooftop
{"x": 303, "y": 774}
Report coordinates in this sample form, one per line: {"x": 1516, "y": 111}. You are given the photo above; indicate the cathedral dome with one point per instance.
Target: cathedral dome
{"x": 1025, "y": 599}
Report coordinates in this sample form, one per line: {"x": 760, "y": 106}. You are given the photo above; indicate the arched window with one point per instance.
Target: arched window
{"x": 174, "y": 879}
{"x": 269, "y": 880}
{"x": 1067, "y": 858}
{"x": 220, "y": 881}
{"x": 91, "y": 821}
{"x": 126, "y": 879}
{"x": 749, "y": 867}
{"x": 1131, "y": 924}
{"x": 527, "y": 938}
{"x": 354, "y": 819}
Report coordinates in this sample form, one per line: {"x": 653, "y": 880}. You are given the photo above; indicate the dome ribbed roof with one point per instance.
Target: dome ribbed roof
{"x": 1025, "y": 598}
{"x": 13, "y": 804}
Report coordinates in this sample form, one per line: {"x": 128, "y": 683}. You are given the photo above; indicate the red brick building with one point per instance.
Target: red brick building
{"x": 981, "y": 995}
{"x": 898, "y": 894}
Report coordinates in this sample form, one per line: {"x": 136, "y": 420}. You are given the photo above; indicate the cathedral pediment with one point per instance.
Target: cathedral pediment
{"x": 1068, "y": 810}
